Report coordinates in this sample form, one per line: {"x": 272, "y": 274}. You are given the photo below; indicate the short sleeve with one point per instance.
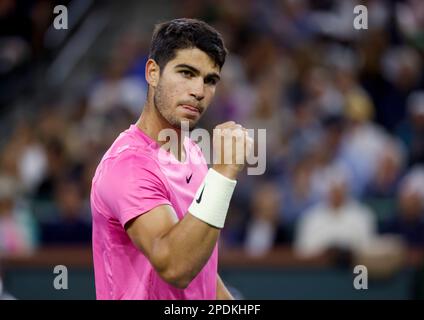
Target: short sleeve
{"x": 135, "y": 186}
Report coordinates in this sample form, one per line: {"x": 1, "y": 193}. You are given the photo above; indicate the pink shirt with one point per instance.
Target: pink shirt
{"x": 130, "y": 180}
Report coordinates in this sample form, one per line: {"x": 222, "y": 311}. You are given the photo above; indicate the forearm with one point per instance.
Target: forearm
{"x": 182, "y": 252}
{"x": 187, "y": 246}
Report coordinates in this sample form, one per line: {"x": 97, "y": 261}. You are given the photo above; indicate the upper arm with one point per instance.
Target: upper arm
{"x": 146, "y": 229}
{"x": 140, "y": 200}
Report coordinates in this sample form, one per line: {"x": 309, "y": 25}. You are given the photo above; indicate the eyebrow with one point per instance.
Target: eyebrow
{"x": 197, "y": 72}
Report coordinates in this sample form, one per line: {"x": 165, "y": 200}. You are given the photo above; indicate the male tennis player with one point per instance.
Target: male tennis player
{"x": 156, "y": 223}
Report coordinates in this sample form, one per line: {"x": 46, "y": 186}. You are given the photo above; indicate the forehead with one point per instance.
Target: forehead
{"x": 195, "y": 58}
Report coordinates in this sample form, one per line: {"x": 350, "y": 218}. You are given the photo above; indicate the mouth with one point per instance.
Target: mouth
{"x": 195, "y": 111}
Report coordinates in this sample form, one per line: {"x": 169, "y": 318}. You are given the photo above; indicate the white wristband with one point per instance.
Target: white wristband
{"x": 213, "y": 199}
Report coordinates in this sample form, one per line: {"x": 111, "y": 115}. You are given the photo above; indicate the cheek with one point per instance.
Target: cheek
{"x": 209, "y": 94}
{"x": 177, "y": 89}
{"x": 168, "y": 92}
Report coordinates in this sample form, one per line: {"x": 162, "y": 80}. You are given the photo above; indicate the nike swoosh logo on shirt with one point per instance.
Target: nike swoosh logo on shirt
{"x": 189, "y": 178}
{"x": 200, "y": 195}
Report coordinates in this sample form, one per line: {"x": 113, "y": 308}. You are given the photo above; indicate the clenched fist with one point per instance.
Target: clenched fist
{"x": 231, "y": 145}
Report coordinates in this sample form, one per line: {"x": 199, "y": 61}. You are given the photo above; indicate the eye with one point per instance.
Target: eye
{"x": 211, "y": 81}
{"x": 186, "y": 73}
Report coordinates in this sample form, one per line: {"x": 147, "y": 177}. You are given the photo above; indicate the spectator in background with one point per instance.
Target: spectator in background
{"x": 290, "y": 21}
{"x": 411, "y": 130}
{"x": 31, "y": 157}
{"x": 381, "y": 189}
{"x": 333, "y": 134}
{"x": 119, "y": 87}
{"x": 236, "y": 97}
{"x": 305, "y": 131}
{"x": 409, "y": 220}
{"x": 296, "y": 188}
{"x": 389, "y": 169}
{"x": 325, "y": 98}
{"x": 409, "y": 16}
{"x": 336, "y": 222}
{"x": 402, "y": 68}
{"x": 24, "y": 157}
{"x": 17, "y": 230}
{"x": 363, "y": 143}
{"x": 70, "y": 225}
{"x": 265, "y": 229}
{"x": 57, "y": 165}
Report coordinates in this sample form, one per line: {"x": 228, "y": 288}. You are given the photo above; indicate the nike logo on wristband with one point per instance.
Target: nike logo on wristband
{"x": 200, "y": 195}
{"x": 189, "y": 178}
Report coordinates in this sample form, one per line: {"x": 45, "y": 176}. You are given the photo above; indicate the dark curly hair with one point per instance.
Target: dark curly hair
{"x": 170, "y": 36}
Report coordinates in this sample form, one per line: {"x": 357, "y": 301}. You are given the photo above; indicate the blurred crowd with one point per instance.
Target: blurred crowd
{"x": 23, "y": 45}
{"x": 343, "y": 110}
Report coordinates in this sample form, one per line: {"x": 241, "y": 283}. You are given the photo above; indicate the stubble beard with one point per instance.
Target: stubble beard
{"x": 166, "y": 111}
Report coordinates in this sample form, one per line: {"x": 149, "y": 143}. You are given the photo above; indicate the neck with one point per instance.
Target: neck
{"x": 151, "y": 122}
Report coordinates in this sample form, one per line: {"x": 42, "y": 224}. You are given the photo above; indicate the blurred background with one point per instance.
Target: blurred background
{"x": 343, "y": 109}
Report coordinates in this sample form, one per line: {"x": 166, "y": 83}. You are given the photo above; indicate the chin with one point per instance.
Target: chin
{"x": 177, "y": 124}
{"x": 191, "y": 123}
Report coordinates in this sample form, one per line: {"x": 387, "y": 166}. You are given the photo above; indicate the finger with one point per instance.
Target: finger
{"x": 225, "y": 124}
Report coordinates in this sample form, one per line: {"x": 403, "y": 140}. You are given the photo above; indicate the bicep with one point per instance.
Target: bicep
{"x": 146, "y": 229}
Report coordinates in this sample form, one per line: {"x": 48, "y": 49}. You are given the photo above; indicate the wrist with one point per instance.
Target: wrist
{"x": 210, "y": 205}
{"x": 227, "y": 171}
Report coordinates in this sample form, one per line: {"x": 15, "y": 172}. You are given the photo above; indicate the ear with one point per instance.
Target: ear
{"x": 152, "y": 72}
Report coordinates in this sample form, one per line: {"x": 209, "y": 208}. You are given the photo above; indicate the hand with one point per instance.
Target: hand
{"x": 231, "y": 145}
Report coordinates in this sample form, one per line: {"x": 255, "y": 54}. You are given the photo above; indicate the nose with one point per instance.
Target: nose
{"x": 198, "y": 89}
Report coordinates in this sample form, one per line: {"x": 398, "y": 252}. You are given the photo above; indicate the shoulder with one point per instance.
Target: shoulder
{"x": 128, "y": 179}
{"x": 130, "y": 149}
{"x": 132, "y": 163}
{"x": 126, "y": 163}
